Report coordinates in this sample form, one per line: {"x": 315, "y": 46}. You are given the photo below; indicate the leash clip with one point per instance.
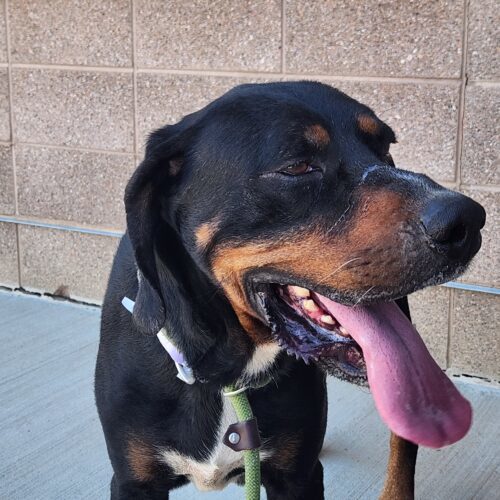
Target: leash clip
{"x": 243, "y": 436}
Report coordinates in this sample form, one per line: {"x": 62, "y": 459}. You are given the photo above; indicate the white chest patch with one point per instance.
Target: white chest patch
{"x": 262, "y": 359}
{"x": 210, "y": 474}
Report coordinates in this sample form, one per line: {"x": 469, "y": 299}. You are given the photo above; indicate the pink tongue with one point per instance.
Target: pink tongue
{"x": 413, "y": 396}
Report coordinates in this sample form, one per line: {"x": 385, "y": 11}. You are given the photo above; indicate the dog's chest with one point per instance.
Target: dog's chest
{"x": 210, "y": 474}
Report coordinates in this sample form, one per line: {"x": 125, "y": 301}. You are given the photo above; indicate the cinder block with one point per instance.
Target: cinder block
{"x": 390, "y": 38}
{"x": 4, "y": 105}
{"x": 484, "y": 32}
{"x": 67, "y": 263}
{"x": 430, "y": 310}
{"x": 7, "y": 200}
{"x": 485, "y": 268}
{"x": 475, "y": 341}
{"x": 424, "y": 117}
{"x": 227, "y": 35}
{"x": 89, "y": 109}
{"x": 9, "y": 275}
{"x": 481, "y": 144}
{"x": 81, "y": 33}
{"x": 73, "y": 185}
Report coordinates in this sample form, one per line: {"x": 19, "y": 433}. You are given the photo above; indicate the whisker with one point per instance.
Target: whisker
{"x": 337, "y": 270}
{"x": 364, "y": 295}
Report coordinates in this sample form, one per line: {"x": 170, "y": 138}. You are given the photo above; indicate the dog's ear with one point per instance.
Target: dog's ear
{"x": 162, "y": 161}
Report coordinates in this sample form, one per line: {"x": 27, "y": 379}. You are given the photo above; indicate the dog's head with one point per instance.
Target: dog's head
{"x": 274, "y": 208}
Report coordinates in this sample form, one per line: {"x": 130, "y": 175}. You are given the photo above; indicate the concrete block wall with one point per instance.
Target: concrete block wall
{"x": 82, "y": 83}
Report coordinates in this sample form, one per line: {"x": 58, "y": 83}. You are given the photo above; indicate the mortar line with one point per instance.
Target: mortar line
{"x": 483, "y": 83}
{"x": 488, "y": 187}
{"x": 134, "y": 75}
{"x": 461, "y": 102}
{"x": 317, "y": 76}
{"x": 11, "y": 105}
{"x": 74, "y": 148}
{"x": 240, "y": 73}
{"x": 61, "y": 225}
{"x": 73, "y": 67}
{"x": 283, "y": 37}
{"x": 458, "y": 160}
{"x": 451, "y": 322}
{"x": 12, "y": 138}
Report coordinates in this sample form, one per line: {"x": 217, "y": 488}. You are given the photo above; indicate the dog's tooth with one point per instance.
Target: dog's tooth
{"x": 344, "y": 332}
{"x": 310, "y": 306}
{"x": 327, "y": 319}
{"x": 299, "y": 291}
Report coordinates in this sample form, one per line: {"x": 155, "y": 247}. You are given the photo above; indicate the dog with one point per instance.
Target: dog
{"x": 273, "y": 240}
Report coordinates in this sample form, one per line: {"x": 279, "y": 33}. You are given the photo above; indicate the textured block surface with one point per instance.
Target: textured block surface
{"x": 73, "y": 185}
{"x": 65, "y": 262}
{"x": 3, "y": 33}
{"x": 60, "y": 32}
{"x": 7, "y": 202}
{"x": 165, "y": 99}
{"x": 4, "y": 106}
{"x": 74, "y": 108}
{"x": 243, "y": 35}
{"x": 485, "y": 268}
{"x": 424, "y": 117}
{"x": 481, "y": 145}
{"x": 484, "y": 32}
{"x": 475, "y": 341}
{"x": 8, "y": 255}
{"x": 429, "y": 310}
{"x": 390, "y": 38}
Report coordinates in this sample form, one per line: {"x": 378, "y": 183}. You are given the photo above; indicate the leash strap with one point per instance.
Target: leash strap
{"x": 247, "y": 421}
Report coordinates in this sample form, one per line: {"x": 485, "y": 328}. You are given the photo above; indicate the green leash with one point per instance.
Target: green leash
{"x": 244, "y": 412}
{"x": 237, "y": 397}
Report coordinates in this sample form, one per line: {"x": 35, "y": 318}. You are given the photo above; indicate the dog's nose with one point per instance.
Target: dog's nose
{"x": 453, "y": 223}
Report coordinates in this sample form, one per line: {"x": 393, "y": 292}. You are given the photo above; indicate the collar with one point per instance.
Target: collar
{"x": 184, "y": 371}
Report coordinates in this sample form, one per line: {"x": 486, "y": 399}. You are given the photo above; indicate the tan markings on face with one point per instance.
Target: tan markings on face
{"x": 364, "y": 254}
{"x": 141, "y": 459}
{"x": 317, "y": 135}
{"x": 368, "y": 124}
{"x": 205, "y": 233}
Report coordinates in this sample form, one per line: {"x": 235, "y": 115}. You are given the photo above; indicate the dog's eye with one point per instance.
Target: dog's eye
{"x": 298, "y": 168}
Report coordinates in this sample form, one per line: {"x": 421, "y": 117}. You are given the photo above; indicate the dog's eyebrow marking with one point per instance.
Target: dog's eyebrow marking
{"x": 141, "y": 459}
{"x": 317, "y": 135}
{"x": 368, "y": 124}
{"x": 205, "y": 232}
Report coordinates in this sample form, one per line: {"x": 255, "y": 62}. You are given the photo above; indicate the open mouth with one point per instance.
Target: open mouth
{"x": 312, "y": 333}
{"x": 376, "y": 344}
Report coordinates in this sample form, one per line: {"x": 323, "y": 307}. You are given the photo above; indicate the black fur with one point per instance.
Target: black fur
{"x": 221, "y": 164}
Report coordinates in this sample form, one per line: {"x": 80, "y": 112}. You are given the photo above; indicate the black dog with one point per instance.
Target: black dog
{"x": 250, "y": 223}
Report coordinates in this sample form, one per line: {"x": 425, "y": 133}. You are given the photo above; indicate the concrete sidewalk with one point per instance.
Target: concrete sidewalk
{"x": 52, "y": 446}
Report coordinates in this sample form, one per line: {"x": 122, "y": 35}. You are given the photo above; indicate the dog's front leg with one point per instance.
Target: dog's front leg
{"x": 399, "y": 481}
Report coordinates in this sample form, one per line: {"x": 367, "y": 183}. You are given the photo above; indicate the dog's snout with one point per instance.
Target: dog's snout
{"x": 453, "y": 223}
